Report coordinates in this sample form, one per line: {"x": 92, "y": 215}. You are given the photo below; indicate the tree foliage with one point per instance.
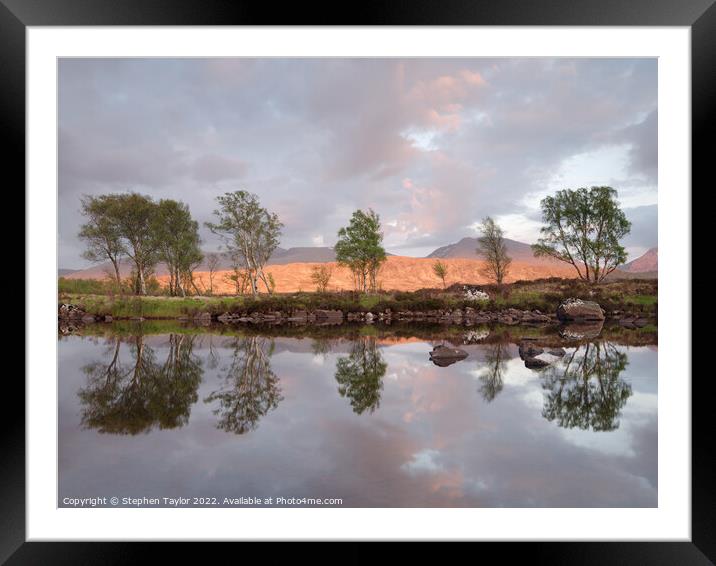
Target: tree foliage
{"x": 321, "y": 277}
{"x": 360, "y": 375}
{"x": 491, "y": 246}
{"x": 101, "y": 233}
{"x": 440, "y": 270}
{"x": 359, "y": 248}
{"x": 251, "y": 233}
{"x": 584, "y": 228}
{"x": 178, "y": 242}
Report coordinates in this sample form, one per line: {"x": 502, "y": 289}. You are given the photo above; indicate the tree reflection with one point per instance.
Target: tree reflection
{"x": 131, "y": 398}
{"x": 251, "y": 388}
{"x": 360, "y": 375}
{"x": 492, "y": 381}
{"x": 586, "y": 390}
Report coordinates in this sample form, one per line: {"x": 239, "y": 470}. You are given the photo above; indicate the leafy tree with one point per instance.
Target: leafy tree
{"x": 177, "y": 236}
{"x": 359, "y": 248}
{"x": 491, "y": 246}
{"x": 251, "y": 233}
{"x": 137, "y": 397}
{"x": 584, "y": 227}
{"x": 321, "y": 276}
{"x": 440, "y": 270}
{"x": 360, "y": 375}
{"x": 251, "y": 387}
{"x": 135, "y": 216}
{"x": 587, "y": 390}
{"x": 101, "y": 232}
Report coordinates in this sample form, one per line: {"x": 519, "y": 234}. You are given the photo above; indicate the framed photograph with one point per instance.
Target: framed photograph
{"x": 395, "y": 279}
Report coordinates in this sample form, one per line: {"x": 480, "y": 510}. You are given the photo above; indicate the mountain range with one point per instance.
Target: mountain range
{"x": 524, "y": 262}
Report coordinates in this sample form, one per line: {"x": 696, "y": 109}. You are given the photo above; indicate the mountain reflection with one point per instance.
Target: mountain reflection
{"x": 360, "y": 375}
{"x": 251, "y": 389}
{"x": 131, "y": 398}
{"x": 585, "y": 390}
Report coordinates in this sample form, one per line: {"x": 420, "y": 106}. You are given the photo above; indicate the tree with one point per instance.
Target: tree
{"x": 440, "y": 270}
{"x": 583, "y": 228}
{"x": 587, "y": 391}
{"x": 251, "y": 233}
{"x": 212, "y": 264}
{"x": 135, "y": 218}
{"x": 492, "y": 379}
{"x": 360, "y": 375}
{"x": 137, "y": 397}
{"x": 177, "y": 236}
{"x": 251, "y": 388}
{"x": 101, "y": 232}
{"x": 321, "y": 276}
{"x": 359, "y": 248}
{"x": 491, "y": 246}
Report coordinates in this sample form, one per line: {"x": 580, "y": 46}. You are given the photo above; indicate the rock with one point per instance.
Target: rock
{"x": 443, "y": 356}
{"x": 560, "y": 352}
{"x": 108, "y": 318}
{"x": 88, "y": 318}
{"x": 369, "y": 317}
{"x": 536, "y": 363}
{"x": 69, "y": 311}
{"x": 579, "y": 310}
{"x": 328, "y": 315}
{"x": 575, "y": 331}
{"x": 529, "y": 350}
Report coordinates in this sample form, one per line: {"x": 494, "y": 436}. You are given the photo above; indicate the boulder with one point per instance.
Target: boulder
{"x": 536, "y": 363}
{"x": 527, "y": 349}
{"x": 444, "y": 356}
{"x": 584, "y": 331}
{"x": 69, "y": 311}
{"x": 579, "y": 311}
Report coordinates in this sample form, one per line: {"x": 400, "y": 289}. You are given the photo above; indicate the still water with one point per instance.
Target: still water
{"x": 361, "y": 416}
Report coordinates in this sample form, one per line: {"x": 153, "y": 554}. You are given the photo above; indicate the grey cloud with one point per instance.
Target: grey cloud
{"x": 315, "y": 138}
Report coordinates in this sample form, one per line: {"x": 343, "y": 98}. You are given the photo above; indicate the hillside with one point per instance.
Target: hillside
{"x": 398, "y": 273}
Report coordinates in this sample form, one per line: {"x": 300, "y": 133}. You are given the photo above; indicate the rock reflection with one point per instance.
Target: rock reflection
{"x": 131, "y": 398}
{"x": 360, "y": 375}
{"x": 251, "y": 388}
{"x": 586, "y": 390}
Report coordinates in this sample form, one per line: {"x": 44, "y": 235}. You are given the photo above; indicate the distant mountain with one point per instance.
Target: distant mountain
{"x": 467, "y": 248}
{"x": 63, "y": 272}
{"x": 302, "y": 255}
{"x": 645, "y": 263}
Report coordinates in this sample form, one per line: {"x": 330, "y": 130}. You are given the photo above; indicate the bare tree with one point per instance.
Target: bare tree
{"x": 321, "y": 276}
{"x": 212, "y": 264}
{"x": 491, "y": 246}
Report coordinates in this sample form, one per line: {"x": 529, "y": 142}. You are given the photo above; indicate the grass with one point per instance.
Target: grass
{"x": 639, "y": 297}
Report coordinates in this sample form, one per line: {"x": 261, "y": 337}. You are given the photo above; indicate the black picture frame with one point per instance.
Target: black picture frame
{"x": 699, "y": 15}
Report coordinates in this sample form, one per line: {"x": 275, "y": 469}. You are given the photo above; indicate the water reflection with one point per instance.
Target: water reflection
{"x": 586, "y": 390}
{"x": 360, "y": 375}
{"x": 488, "y": 432}
{"x": 131, "y": 398}
{"x": 250, "y": 389}
{"x": 492, "y": 380}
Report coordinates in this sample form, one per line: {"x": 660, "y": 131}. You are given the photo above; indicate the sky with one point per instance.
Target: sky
{"x": 432, "y": 145}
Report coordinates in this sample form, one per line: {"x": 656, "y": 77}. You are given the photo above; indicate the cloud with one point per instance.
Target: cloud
{"x": 317, "y": 138}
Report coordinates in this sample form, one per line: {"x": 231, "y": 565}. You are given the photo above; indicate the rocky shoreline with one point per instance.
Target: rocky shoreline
{"x": 571, "y": 311}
